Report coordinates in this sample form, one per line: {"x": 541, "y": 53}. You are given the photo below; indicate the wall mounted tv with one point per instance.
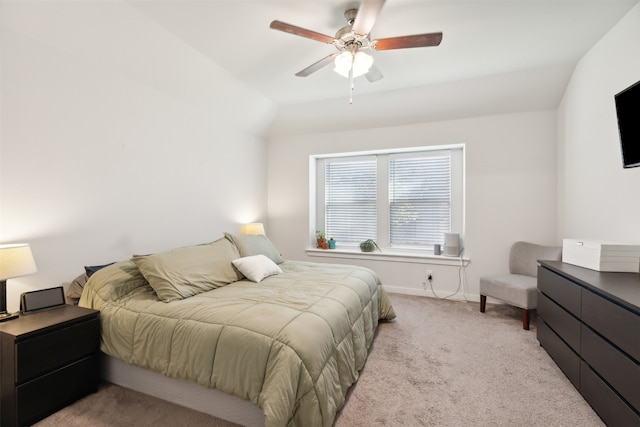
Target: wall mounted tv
{"x": 628, "y": 110}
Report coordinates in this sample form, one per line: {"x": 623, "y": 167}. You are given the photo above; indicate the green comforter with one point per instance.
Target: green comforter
{"x": 292, "y": 344}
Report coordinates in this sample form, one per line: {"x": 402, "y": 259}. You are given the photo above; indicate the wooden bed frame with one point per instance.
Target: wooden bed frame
{"x": 181, "y": 392}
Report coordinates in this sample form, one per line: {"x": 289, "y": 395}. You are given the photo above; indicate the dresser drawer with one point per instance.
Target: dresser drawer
{"x": 560, "y": 352}
{"x": 619, "y": 325}
{"x": 563, "y": 323}
{"x": 616, "y": 368}
{"x": 49, "y": 393}
{"x": 60, "y": 347}
{"x": 611, "y": 408}
{"x": 561, "y": 290}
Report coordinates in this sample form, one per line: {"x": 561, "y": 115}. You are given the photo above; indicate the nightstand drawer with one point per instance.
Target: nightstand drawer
{"x": 49, "y": 393}
{"x": 49, "y": 359}
{"x": 561, "y": 290}
{"x": 52, "y": 350}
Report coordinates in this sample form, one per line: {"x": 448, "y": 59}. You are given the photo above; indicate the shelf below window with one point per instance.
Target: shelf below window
{"x": 389, "y": 256}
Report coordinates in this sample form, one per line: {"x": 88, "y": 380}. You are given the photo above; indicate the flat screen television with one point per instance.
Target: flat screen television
{"x": 628, "y": 111}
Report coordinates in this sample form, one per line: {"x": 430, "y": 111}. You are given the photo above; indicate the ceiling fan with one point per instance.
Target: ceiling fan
{"x": 352, "y": 40}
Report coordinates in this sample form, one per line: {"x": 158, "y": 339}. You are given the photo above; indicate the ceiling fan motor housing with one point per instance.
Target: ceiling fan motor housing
{"x": 346, "y": 39}
{"x": 344, "y": 32}
{"x": 350, "y": 15}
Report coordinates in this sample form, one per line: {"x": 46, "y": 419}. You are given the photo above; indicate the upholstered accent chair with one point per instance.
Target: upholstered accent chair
{"x": 520, "y": 286}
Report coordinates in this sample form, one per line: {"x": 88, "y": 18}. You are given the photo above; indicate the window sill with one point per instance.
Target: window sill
{"x": 389, "y": 256}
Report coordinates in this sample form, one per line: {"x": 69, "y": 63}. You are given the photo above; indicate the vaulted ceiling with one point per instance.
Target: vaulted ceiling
{"x": 482, "y": 38}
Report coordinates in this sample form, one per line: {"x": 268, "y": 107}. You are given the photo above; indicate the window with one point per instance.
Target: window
{"x": 401, "y": 199}
{"x": 351, "y": 203}
{"x": 419, "y": 199}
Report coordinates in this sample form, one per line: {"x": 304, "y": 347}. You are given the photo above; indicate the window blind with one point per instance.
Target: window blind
{"x": 351, "y": 200}
{"x": 420, "y": 199}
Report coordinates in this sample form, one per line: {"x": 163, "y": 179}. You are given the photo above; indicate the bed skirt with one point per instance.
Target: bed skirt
{"x": 181, "y": 392}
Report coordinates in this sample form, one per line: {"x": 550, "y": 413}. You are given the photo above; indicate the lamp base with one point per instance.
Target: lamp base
{"x": 4, "y": 316}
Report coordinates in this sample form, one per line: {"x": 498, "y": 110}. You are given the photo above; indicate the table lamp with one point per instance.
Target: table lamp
{"x": 16, "y": 260}
{"x": 253, "y": 228}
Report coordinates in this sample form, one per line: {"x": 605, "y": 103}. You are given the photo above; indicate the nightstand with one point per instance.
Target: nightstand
{"x": 48, "y": 360}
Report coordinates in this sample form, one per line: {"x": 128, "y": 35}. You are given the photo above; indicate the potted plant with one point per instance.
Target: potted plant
{"x": 332, "y": 243}
{"x": 321, "y": 241}
{"x": 369, "y": 245}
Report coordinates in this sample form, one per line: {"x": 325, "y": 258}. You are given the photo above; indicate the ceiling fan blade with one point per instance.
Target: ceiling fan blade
{"x": 317, "y": 65}
{"x": 404, "y": 42}
{"x": 302, "y": 32}
{"x": 374, "y": 74}
{"x": 366, "y": 17}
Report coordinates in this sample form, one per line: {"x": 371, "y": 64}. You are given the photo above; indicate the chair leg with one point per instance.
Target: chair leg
{"x": 483, "y": 303}
{"x": 525, "y": 319}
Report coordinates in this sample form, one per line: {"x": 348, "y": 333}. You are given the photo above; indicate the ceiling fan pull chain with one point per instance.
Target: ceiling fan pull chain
{"x": 351, "y": 84}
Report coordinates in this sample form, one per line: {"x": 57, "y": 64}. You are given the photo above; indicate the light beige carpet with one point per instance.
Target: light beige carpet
{"x": 441, "y": 363}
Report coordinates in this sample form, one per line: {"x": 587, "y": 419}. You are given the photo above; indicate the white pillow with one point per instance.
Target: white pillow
{"x": 256, "y": 267}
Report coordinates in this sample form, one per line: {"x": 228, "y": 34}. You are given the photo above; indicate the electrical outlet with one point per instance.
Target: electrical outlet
{"x": 429, "y": 275}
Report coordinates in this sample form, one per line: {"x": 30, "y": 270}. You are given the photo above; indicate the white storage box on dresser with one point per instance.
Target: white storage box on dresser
{"x": 601, "y": 256}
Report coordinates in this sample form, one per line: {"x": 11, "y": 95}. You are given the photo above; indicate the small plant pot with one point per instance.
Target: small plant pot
{"x": 367, "y": 247}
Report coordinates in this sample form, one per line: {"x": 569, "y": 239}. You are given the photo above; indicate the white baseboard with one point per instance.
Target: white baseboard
{"x": 439, "y": 293}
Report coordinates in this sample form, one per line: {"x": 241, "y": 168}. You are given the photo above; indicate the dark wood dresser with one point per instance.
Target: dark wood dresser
{"x": 48, "y": 359}
{"x": 589, "y": 323}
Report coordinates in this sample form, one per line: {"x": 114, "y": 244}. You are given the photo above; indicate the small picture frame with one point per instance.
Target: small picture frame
{"x": 41, "y": 299}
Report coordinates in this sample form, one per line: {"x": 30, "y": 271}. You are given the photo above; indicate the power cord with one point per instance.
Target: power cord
{"x": 461, "y": 281}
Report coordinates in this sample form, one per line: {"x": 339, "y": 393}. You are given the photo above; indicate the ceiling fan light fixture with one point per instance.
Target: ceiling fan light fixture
{"x": 343, "y": 63}
{"x": 360, "y": 62}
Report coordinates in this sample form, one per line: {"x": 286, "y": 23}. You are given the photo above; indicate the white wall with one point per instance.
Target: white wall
{"x": 597, "y": 198}
{"x": 510, "y": 190}
{"x": 117, "y": 138}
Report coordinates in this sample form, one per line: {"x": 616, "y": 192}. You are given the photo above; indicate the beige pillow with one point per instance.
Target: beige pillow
{"x": 184, "y": 272}
{"x": 257, "y": 267}
{"x": 255, "y": 244}
{"x": 77, "y": 286}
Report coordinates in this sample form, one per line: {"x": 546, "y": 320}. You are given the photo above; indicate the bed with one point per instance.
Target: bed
{"x": 232, "y": 316}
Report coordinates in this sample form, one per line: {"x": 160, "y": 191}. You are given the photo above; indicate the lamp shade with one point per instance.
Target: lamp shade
{"x": 16, "y": 260}
{"x": 361, "y": 64}
{"x": 343, "y": 63}
{"x": 360, "y": 61}
{"x": 253, "y": 228}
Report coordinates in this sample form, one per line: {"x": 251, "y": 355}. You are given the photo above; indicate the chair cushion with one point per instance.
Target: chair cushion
{"x": 515, "y": 289}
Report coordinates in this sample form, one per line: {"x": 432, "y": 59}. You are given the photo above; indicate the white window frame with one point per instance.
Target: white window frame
{"x": 316, "y": 196}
